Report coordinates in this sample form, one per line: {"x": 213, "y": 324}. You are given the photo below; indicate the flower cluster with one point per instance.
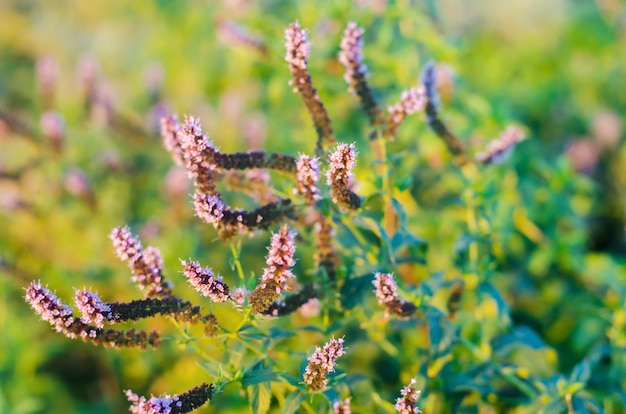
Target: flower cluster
{"x": 429, "y": 80}
{"x": 307, "y": 179}
{"x": 205, "y": 282}
{"x": 172, "y": 140}
{"x": 279, "y": 262}
{"x": 205, "y": 164}
{"x": 177, "y": 404}
{"x": 339, "y": 176}
{"x": 231, "y": 33}
{"x": 411, "y": 101}
{"x": 406, "y": 403}
{"x": 93, "y": 309}
{"x": 145, "y": 265}
{"x": 61, "y": 317}
{"x": 342, "y": 407}
{"x": 387, "y": 294}
{"x": 500, "y": 149}
{"x": 297, "y": 52}
{"x": 321, "y": 363}
{"x": 351, "y": 56}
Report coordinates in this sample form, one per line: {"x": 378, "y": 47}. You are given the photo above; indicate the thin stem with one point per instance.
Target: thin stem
{"x": 235, "y": 253}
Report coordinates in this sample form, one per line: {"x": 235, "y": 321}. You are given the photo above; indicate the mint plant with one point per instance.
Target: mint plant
{"x": 451, "y": 337}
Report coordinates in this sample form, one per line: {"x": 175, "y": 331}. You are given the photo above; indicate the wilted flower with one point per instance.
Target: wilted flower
{"x": 321, "y": 363}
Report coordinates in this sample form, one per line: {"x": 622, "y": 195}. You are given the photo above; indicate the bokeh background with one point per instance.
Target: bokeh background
{"x": 83, "y": 84}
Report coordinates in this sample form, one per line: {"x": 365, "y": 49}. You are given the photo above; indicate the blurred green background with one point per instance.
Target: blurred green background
{"x": 557, "y": 67}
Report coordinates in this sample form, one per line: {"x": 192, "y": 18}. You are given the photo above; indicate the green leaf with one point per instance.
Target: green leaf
{"x": 261, "y": 371}
{"x": 581, "y": 372}
{"x": 293, "y": 402}
{"x": 252, "y": 332}
{"x": 260, "y": 397}
{"x": 354, "y": 289}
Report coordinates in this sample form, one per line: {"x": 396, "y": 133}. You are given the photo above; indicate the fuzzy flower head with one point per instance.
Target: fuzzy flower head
{"x": 411, "y": 101}
{"x": 198, "y": 153}
{"x": 307, "y": 178}
{"x": 321, "y": 363}
{"x": 351, "y": 54}
{"x": 280, "y": 258}
{"x": 406, "y": 403}
{"x": 205, "y": 282}
{"x": 165, "y": 404}
{"x": 279, "y": 263}
{"x": 239, "y": 295}
{"x": 386, "y": 288}
{"x": 342, "y": 162}
{"x": 339, "y": 176}
{"x": 297, "y": 46}
{"x": 500, "y": 149}
{"x": 342, "y": 407}
{"x": 171, "y": 135}
{"x": 429, "y": 80}
{"x": 50, "y": 308}
{"x": 127, "y": 248}
{"x": 209, "y": 208}
{"x": 94, "y": 310}
{"x": 145, "y": 265}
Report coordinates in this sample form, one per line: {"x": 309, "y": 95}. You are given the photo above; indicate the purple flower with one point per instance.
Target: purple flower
{"x": 166, "y": 404}
{"x": 172, "y": 137}
{"x": 205, "y": 282}
{"x": 351, "y": 54}
{"x": 94, "y": 310}
{"x": 279, "y": 263}
{"x": 321, "y": 363}
{"x": 209, "y": 208}
{"x": 50, "y": 308}
{"x": 387, "y": 295}
{"x": 307, "y": 179}
{"x": 145, "y": 265}
{"x": 500, "y": 149}
{"x": 386, "y": 288}
{"x": 406, "y": 403}
{"x": 198, "y": 153}
{"x": 339, "y": 175}
{"x": 297, "y": 46}
{"x": 342, "y": 407}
